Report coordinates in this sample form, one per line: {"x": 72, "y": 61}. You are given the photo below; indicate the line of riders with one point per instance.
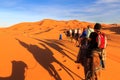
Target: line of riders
{"x": 90, "y": 41}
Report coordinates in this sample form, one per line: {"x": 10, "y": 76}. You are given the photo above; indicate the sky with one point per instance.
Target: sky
{"x": 17, "y": 11}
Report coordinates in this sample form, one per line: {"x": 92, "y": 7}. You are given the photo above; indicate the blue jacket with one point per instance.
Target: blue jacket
{"x": 84, "y": 34}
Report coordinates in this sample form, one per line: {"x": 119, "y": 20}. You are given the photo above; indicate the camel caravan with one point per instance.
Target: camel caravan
{"x": 77, "y": 34}
{"x": 73, "y": 34}
{"x": 92, "y": 43}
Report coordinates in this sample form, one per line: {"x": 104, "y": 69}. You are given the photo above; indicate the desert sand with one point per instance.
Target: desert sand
{"x": 33, "y": 51}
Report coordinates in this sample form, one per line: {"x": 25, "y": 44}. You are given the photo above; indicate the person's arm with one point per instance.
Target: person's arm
{"x": 90, "y": 37}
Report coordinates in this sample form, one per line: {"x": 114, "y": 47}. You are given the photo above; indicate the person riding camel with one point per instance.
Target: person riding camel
{"x": 97, "y": 42}
{"x": 82, "y": 47}
{"x": 89, "y": 30}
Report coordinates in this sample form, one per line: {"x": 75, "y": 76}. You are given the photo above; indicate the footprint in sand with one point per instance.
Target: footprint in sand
{"x": 78, "y": 67}
{"x": 64, "y": 60}
{"x": 59, "y": 69}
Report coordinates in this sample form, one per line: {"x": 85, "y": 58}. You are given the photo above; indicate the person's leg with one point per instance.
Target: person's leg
{"x": 103, "y": 58}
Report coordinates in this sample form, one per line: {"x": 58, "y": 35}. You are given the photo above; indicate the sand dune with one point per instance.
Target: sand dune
{"x": 33, "y": 51}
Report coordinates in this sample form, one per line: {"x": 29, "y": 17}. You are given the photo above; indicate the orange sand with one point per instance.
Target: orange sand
{"x": 36, "y": 46}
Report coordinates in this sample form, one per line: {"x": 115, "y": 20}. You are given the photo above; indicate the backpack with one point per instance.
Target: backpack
{"x": 101, "y": 40}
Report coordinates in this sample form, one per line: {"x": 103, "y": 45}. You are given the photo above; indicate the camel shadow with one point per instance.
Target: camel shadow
{"x": 62, "y": 44}
{"x": 18, "y": 71}
{"x": 45, "y": 58}
{"x": 57, "y": 47}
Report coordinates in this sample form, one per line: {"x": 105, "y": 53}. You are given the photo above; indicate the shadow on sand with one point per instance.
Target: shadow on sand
{"x": 45, "y": 58}
{"x": 57, "y": 42}
{"x": 18, "y": 71}
{"x": 57, "y": 47}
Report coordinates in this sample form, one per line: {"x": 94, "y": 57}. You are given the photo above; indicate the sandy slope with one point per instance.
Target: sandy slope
{"x": 35, "y": 53}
